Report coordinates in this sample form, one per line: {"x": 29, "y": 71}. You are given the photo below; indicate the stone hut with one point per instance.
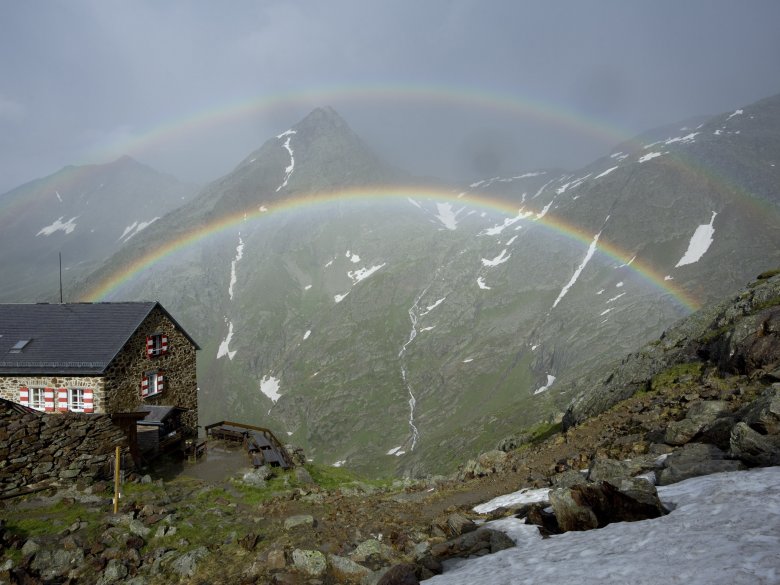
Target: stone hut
{"x": 101, "y": 358}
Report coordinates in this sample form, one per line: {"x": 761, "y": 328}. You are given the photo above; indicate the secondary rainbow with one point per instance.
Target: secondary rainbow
{"x": 109, "y": 284}
{"x": 242, "y": 110}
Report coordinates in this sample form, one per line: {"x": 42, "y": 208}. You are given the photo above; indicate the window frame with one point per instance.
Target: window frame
{"x": 154, "y": 379}
{"x": 157, "y": 345}
{"x": 75, "y": 405}
{"x": 32, "y": 391}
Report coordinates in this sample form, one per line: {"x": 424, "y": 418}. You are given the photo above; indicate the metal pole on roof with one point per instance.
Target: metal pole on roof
{"x": 60, "y": 277}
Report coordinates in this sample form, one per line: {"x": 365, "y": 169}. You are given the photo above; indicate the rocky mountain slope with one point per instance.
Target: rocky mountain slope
{"x": 88, "y": 213}
{"x": 704, "y": 409}
{"x": 394, "y": 324}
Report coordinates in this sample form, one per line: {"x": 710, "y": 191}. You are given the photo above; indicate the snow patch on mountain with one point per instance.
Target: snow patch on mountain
{"x": 511, "y": 240}
{"x": 291, "y": 167}
{"x": 615, "y": 297}
{"x": 59, "y": 226}
{"x": 605, "y": 173}
{"x": 497, "y": 229}
{"x": 572, "y": 184}
{"x": 140, "y": 227}
{"x": 500, "y": 259}
{"x": 736, "y": 113}
{"x": 413, "y": 202}
{"x": 234, "y": 263}
{"x": 430, "y": 308}
{"x": 481, "y": 283}
{"x": 580, "y": 268}
{"x": 224, "y": 347}
{"x": 363, "y": 273}
{"x": 687, "y": 139}
{"x": 523, "y": 496}
{"x": 307, "y": 334}
{"x": 447, "y": 216}
{"x": 550, "y": 380}
{"x": 354, "y": 258}
{"x": 545, "y": 209}
{"x": 339, "y": 298}
{"x": 701, "y": 240}
{"x": 723, "y": 528}
{"x": 542, "y": 188}
{"x": 59, "y": 197}
{"x": 270, "y": 387}
{"x": 650, "y": 156}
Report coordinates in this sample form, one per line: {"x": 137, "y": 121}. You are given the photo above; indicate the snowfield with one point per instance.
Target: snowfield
{"x": 724, "y": 529}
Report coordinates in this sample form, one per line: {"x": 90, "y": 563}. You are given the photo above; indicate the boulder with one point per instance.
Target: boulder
{"x": 56, "y": 563}
{"x": 311, "y": 562}
{"x": 405, "y": 574}
{"x": 456, "y": 525}
{"x": 545, "y": 520}
{"x": 694, "y": 460}
{"x": 302, "y": 476}
{"x": 478, "y": 543}
{"x": 699, "y": 416}
{"x": 187, "y": 564}
{"x": 763, "y": 414}
{"x": 753, "y": 448}
{"x": 486, "y": 464}
{"x": 614, "y": 471}
{"x": 276, "y": 559}
{"x": 115, "y": 571}
{"x": 346, "y": 570}
{"x": 584, "y": 507}
{"x": 371, "y": 548}
{"x": 300, "y": 520}
{"x": 568, "y": 478}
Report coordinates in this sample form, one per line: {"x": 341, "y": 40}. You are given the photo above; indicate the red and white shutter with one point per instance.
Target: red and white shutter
{"x": 24, "y": 396}
{"x": 89, "y": 405}
{"x": 160, "y": 381}
{"x": 163, "y": 344}
{"x": 149, "y": 346}
{"x": 144, "y": 386}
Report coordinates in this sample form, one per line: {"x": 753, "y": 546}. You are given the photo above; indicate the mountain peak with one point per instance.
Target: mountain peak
{"x": 322, "y": 118}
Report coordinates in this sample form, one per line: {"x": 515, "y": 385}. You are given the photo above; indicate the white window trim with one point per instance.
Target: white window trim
{"x": 74, "y": 406}
{"x": 32, "y": 392}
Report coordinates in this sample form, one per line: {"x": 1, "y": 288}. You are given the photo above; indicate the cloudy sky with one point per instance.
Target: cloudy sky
{"x": 459, "y": 89}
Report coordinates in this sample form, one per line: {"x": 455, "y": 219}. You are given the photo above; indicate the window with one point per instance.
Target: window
{"x": 152, "y": 383}
{"x": 76, "y": 399}
{"x": 37, "y": 398}
{"x": 156, "y": 345}
{"x": 19, "y": 346}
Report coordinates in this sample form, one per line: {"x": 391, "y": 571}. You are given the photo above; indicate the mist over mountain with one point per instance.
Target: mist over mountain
{"x": 85, "y": 212}
{"x": 395, "y": 324}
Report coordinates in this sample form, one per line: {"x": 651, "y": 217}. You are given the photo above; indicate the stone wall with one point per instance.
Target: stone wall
{"x": 36, "y": 447}
{"x": 123, "y": 376}
{"x": 9, "y": 386}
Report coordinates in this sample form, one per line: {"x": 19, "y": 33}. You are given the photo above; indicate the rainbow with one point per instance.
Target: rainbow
{"x": 240, "y": 110}
{"x": 109, "y": 285}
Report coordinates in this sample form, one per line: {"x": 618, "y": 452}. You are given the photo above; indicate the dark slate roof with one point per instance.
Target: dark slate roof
{"x": 69, "y": 338}
{"x": 156, "y": 415}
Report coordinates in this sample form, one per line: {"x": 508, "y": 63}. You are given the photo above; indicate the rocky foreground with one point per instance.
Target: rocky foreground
{"x": 712, "y": 405}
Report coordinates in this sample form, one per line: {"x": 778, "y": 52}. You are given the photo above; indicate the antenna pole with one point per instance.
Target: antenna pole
{"x": 60, "y": 277}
